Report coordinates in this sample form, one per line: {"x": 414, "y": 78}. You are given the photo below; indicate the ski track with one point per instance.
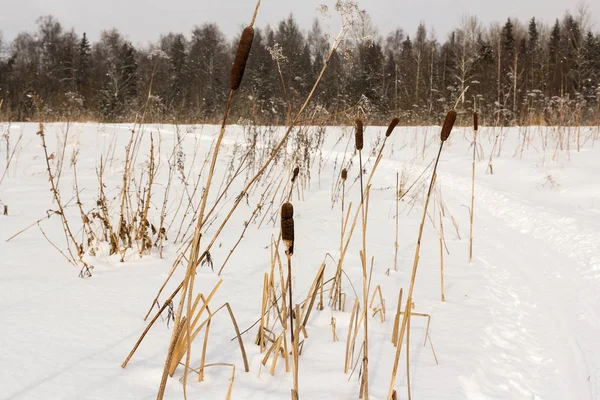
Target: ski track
{"x": 565, "y": 281}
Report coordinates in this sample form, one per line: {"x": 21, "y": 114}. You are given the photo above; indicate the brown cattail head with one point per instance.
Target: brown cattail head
{"x": 475, "y": 121}
{"x": 241, "y": 57}
{"x": 295, "y": 174}
{"x": 448, "y": 124}
{"x": 287, "y": 211}
{"x": 287, "y": 226}
{"x": 358, "y": 136}
{"x": 391, "y": 127}
{"x": 344, "y": 174}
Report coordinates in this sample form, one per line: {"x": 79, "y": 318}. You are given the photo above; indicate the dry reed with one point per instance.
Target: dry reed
{"x": 446, "y": 130}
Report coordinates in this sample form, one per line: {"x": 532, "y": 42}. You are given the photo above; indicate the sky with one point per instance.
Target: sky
{"x": 143, "y": 21}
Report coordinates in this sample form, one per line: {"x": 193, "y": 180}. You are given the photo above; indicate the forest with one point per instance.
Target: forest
{"x": 512, "y": 73}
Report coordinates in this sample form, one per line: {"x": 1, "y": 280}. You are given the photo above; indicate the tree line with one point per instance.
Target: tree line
{"x": 512, "y": 73}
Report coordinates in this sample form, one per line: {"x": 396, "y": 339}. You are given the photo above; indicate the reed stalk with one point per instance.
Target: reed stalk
{"x": 446, "y": 130}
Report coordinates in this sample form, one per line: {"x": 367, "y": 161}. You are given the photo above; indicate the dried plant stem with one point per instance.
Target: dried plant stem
{"x": 397, "y": 319}
{"x": 144, "y": 217}
{"x": 87, "y": 228}
{"x": 307, "y": 305}
{"x": 204, "y": 346}
{"x": 163, "y": 382}
{"x": 295, "y": 349}
{"x": 70, "y": 238}
{"x": 265, "y": 299}
{"x": 381, "y": 308}
{"x": 408, "y": 355}
{"x": 472, "y": 211}
{"x": 186, "y": 339}
{"x": 176, "y": 264}
{"x": 353, "y": 317}
{"x": 195, "y": 250}
{"x": 114, "y": 239}
{"x": 9, "y": 155}
{"x": 363, "y": 255}
{"x": 32, "y": 225}
{"x": 293, "y": 338}
{"x": 141, "y": 338}
{"x": 246, "y": 224}
{"x": 69, "y": 260}
{"x": 336, "y": 291}
{"x": 396, "y": 241}
{"x": 414, "y": 273}
{"x": 442, "y": 256}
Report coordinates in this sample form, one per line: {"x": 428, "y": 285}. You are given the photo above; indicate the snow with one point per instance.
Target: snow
{"x": 521, "y": 322}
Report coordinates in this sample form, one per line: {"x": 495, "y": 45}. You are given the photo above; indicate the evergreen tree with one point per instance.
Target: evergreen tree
{"x": 83, "y": 69}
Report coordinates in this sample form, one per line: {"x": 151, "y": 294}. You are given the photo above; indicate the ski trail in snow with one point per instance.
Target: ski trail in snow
{"x": 557, "y": 261}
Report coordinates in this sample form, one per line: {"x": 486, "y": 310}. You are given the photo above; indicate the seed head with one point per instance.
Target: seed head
{"x": 241, "y": 57}
{"x": 344, "y": 174}
{"x": 287, "y": 226}
{"x": 358, "y": 136}
{"x": 391, "y": 127}
{"x": 475, "y": 121}
{"x": 448, "y": 124}
{"x": 295, "y": 174}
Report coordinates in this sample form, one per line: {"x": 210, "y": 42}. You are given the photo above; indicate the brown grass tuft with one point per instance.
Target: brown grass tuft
{"x": 448, "y": 124}
{"x": 241, "y": 57}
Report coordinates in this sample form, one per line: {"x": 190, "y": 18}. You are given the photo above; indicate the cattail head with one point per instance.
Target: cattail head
{"x": 344, "y": 174}
{"x": 287, "y": 226}
{"x": 295, "y": 174}
{"x": 475, "y": 121}
{"x": 241, "y": 57}
{"x": 391, "y": 127}
{"x": 448, "y": 124}
{"x": 358, "y": 135}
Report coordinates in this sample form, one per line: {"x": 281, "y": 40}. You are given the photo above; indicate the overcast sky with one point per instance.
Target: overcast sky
{"x": 143, "y": 21}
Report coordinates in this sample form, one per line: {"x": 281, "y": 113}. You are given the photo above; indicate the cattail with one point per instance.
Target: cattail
{"x": 358, "y": 137}
{"x": 287, "y": 226}
{"x": 344, "y": 174}
{"x": 391, "y": 127}
{"x": 448, "y": 125}
{"x": 475, "y": 121}
{"x": 295, "y": 174}
{"x": 241, "y": 56}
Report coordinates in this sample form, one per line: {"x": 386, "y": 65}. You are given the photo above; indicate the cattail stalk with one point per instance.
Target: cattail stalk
{"x": 446, "y": 130}
{"x": 442, "y": 256}
{"x": 364, "y": 210}
{"x": 237, "y": 73}
{"x": 293, "y": 181}
{"x": 287, "y": 235}
{"x": 359, "y": 142}
{"x": 337, "y": 293}
{"x": 409, "y": 312}
{"x": 472, "y": 213}
{"x": 396, "y": 242}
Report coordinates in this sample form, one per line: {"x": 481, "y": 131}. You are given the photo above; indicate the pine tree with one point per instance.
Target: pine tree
{"x": 83, "y": 68}
{"x": 176, "y": 95}
{"x": 555, "y": 61}
{"x": 533, "y": 51}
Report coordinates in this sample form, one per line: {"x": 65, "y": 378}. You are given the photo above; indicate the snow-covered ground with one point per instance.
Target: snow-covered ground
{"x": 521, "y": 322}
